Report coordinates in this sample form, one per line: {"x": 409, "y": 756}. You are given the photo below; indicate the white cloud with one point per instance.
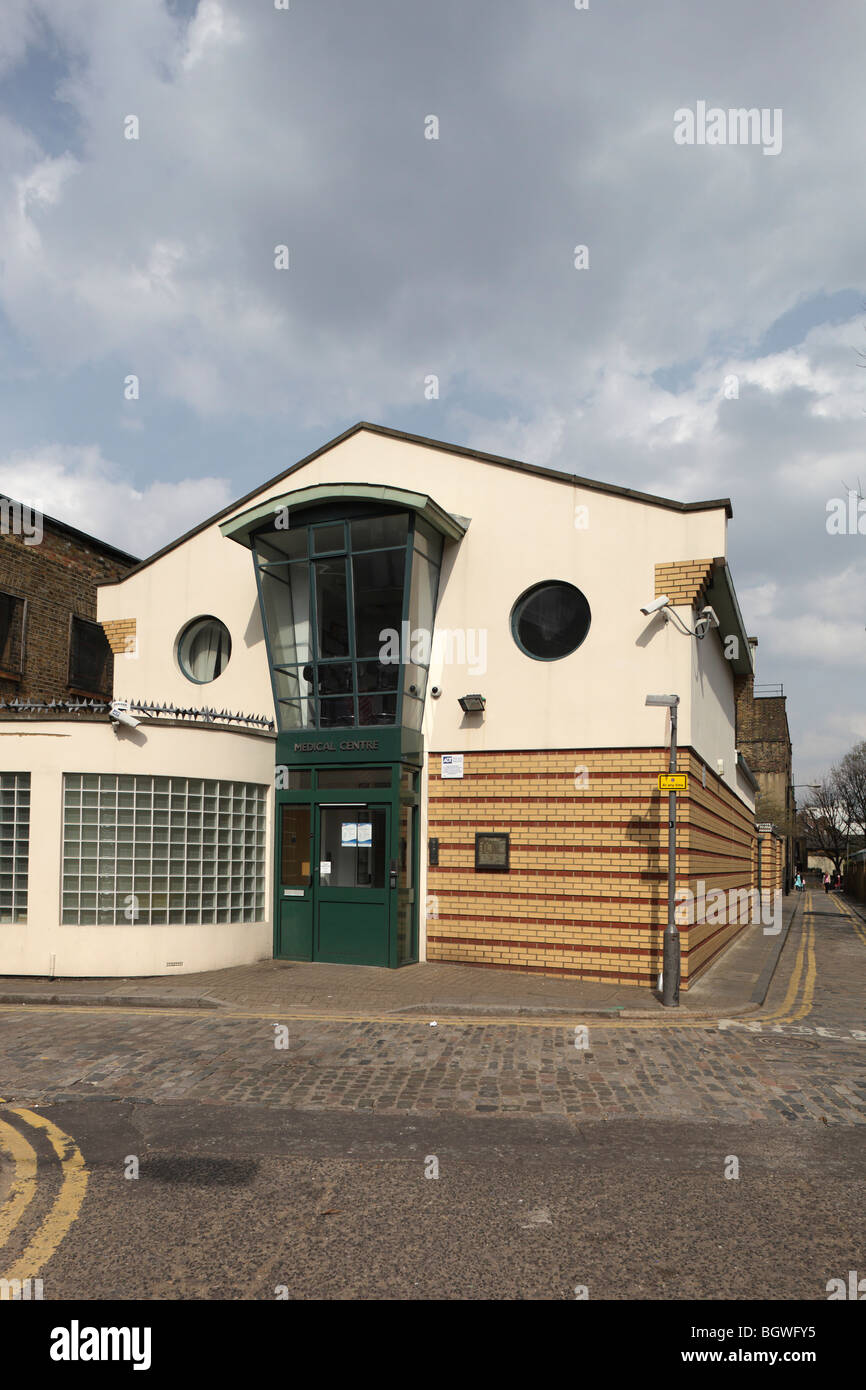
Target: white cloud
{"x": 155, "y": 256}
{"x": 760, "y": 601}
{"x": 77, "y": 485}
{"x": 212, "y": 30}
{"x": 20, "y": 28}
{"x": 41, "y": 187}
{"x": 815, "y": 620}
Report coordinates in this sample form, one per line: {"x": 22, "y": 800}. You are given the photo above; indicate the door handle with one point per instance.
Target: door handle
{"x": 393, "y": 878}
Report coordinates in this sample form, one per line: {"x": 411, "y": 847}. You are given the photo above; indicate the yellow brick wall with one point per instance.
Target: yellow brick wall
{"x": 121, "y": 634}
{"x": 684, "y": 581}
{"x": 586, "y": 894}
{"x": 772, "y": 862}
{"x": 720, "y": 841}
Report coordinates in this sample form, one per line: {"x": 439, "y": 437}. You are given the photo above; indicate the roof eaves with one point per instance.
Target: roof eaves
{"x": 74, "y": 531}
{"x": 720, "y": 594}
{"x": 748, "y": 773}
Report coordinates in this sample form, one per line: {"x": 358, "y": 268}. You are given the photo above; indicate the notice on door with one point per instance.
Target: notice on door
{"x": 354, "y": 835}
{"x": 452, "y": 764}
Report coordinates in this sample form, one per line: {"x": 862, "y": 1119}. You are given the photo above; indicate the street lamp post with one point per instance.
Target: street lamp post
{"x": 671, "y": 947}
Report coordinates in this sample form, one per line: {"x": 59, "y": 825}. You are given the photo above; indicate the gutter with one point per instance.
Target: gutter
{"x": 747, "y": 772}
{"x": 722, "y": 596}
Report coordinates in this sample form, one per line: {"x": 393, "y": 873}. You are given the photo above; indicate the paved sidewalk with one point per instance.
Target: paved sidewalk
{"x": 737, "y": 983}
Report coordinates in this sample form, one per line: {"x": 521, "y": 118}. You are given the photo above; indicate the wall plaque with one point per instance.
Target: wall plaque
{"x": 491, "y": 853}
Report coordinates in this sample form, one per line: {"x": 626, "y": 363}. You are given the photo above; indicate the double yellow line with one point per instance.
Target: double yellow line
{"x": 805, "y": 973}
{"x": 65, "y": 1207}
{"x": 789, "y": 1011}
{"x": 421, "y": 1019}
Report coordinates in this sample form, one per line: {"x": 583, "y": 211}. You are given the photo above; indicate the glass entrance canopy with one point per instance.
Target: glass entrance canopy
{"x": 347, "y": 588}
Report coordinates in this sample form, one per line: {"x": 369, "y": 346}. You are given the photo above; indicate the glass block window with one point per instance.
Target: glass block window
{"x": 14, "y": 845}
{"x": 159, "y": 850}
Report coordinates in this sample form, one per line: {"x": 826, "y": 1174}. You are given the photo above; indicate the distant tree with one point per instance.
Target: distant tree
{"x": 826, "y": 819}
{"x": 850, "y": 782}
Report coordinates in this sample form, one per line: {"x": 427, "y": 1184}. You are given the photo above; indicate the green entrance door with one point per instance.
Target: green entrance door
{"x": 354, "y": 881}
{"x": 295, "y": 885}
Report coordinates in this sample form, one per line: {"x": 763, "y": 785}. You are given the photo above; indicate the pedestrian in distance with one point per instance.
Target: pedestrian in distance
{"x": 798, "y": 883}
{"x": 826, "y": 883}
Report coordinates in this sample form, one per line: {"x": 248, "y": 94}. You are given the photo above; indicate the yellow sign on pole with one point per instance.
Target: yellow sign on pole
{"x": 673, "y": 781}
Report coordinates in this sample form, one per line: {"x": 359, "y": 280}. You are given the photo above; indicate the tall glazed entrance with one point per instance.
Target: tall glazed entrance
{"x": 346, "y": 865}
{"x": 348, "y": 582}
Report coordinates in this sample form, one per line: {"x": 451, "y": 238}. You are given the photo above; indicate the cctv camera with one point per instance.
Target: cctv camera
{"x": 709, "y": 618}
{"x": 119, "y": 715}
{"x": 656, "y": 604}
{"x": 435, "y": 691}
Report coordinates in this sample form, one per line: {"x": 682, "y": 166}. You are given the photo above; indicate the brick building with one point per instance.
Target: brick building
{"x": 444, "y": 657}
{"x": 764, "y": 739}
{"x": 51, "y": 645}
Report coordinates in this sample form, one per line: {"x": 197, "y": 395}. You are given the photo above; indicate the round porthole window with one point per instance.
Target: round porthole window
{"x": 203, "y": 650}
{"x": 550, "y": 620}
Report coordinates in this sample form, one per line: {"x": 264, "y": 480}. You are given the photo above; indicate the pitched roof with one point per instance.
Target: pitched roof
{"x": 73, "y": 531}
{"x": 555, "y": 475}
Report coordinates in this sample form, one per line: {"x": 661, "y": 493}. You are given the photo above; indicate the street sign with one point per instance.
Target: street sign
{"x": 673, "y": 781}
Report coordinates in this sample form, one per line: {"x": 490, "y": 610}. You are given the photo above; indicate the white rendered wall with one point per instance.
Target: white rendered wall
{"x": 47, "y": 750}
{"x": 522, "y": 531}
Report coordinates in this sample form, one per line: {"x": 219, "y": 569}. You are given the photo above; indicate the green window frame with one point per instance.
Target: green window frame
{"x": 350, "y": 688}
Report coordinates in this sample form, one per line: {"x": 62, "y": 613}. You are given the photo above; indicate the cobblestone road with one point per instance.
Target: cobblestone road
{"x": 304, "y": 1171}
{"x": 802, "y": 1058}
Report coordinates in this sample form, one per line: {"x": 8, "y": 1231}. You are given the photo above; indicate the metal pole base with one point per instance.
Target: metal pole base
{"x": 671, "y": 970}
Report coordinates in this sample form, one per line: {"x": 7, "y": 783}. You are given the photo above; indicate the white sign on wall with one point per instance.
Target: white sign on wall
{"x": 452, "y": 764}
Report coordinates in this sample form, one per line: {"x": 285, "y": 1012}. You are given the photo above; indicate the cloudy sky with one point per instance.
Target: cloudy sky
{"x": 709, "y": 348}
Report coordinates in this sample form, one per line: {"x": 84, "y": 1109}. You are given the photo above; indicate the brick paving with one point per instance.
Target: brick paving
{"x": 272, "y": 984}
{"x": 411, "y": 1067}
{"x": 786, "y": 1071}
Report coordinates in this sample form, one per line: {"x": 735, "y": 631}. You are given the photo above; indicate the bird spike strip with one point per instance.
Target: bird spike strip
{"x": 154, "y": 710}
